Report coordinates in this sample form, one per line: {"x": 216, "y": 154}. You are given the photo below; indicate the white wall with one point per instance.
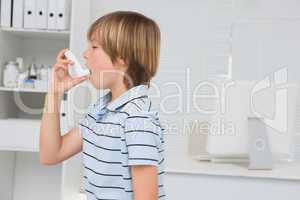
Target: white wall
{"x": 193, "y": 33}
{"x": 199, "y": 36}
{"x": 41, "y": 53}
{"x": 266, "y": 38}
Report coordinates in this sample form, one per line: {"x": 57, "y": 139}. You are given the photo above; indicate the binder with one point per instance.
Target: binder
{"x": 6, "y": 13}
{"x": 63, "y": 14}
{"x": 29, "y": 14}
{"x": 51, "y": 19}
{"x": 17, "y": 21}
{"x": 41, "y": 14}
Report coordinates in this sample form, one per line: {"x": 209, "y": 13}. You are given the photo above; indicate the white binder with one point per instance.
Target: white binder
{"x": 63, "y": 14}
{"x": 41, "y": 14}
{"x": 51, "y": 19}
{"x": 18, "y": 14}
{"x": 29, "y": 14}
{"x": 6, "y": 6}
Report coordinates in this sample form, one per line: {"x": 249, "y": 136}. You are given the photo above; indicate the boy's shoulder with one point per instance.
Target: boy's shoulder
{"x": 142, "y": 107}
{"x": 142, "y": 114}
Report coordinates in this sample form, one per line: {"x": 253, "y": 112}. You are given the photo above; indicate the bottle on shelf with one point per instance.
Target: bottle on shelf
{"x": 10, "y": 75}
{"x": 43, "y": 73}
{"x": 42, "y": 78}
{"x": 28, "y": 83}
{"x": 20, "y": 62}
{"x": 32, "y": 71}
{"x": 22, "y": 77}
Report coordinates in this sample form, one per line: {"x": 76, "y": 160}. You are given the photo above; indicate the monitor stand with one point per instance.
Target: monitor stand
{"x": 260, "y": 156}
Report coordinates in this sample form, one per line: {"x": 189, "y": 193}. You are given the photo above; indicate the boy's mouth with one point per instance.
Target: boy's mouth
{"x": 86, "y": 66}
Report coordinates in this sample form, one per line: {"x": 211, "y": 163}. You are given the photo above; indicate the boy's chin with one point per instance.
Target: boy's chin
{"x": 100, "y": 87}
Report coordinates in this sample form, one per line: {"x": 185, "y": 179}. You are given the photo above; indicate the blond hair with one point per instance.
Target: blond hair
{"x": 132, "y": 37}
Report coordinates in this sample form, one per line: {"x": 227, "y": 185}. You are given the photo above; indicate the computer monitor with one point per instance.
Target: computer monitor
{"x": 228, "y": 137}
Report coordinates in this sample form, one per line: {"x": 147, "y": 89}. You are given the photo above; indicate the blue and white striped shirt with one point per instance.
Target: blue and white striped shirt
{"x": 125, "y": 132}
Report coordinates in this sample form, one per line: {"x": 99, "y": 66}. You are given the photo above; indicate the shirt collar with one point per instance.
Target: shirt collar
{"x": 129, "y": 95}
{"x": 101, "y": 106}
{"x": 98, "y": 108}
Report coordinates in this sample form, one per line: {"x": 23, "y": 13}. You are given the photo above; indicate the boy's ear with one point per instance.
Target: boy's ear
{"x": 120, "y": 61}
{"x": 122, "y": 64}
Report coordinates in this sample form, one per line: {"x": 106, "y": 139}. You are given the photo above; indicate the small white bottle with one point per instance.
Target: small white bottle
{"x": 22, "y": 77}
{"x": 44, "y": 73}
{"x": 10, "y": 75}
{"x": 20, "y": 62}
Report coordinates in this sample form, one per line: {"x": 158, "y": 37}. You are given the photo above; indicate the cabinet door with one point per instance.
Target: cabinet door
{"x": 19, "y": 134}
{"x": 213, "y": 187}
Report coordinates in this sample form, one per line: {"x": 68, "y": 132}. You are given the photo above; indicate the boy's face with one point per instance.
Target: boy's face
{"x": 104, "y": 74}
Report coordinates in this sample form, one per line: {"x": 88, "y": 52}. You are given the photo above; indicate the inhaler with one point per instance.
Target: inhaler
{"x": 76, "y": 69}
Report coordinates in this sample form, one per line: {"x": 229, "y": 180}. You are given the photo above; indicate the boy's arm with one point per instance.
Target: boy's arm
{"x": 145, "y": 183}
{"x": 55, "y": 148}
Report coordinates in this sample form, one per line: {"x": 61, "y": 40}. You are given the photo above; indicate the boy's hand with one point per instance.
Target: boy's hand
{"x": 61, "y": 81}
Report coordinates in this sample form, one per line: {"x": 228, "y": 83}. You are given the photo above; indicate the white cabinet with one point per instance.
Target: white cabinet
{"x": 214, "y": 187}
{"x": 188, "y": 178}
{"x": 19, "y": 134}
{"x": 22, "y": 177}
{"x": 21, "y": 174}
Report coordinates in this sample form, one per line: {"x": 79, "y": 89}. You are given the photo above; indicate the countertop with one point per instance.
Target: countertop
{"x": 185, "y": 164}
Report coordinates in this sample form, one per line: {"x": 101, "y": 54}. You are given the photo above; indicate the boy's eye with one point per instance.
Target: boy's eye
{"x": 94, "y": 47}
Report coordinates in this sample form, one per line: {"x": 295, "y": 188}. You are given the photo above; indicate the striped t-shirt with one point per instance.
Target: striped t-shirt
{"x": 116, "y": 135}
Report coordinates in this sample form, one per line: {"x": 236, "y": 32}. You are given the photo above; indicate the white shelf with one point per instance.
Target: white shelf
{"x": 32, "y": 90}
{"x": 37, "y": 33}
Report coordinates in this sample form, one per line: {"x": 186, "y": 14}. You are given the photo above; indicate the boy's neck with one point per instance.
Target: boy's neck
{"x": 117, "y": 91}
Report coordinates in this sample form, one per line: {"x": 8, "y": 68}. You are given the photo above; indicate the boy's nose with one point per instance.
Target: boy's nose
{"x": 84, "y": 55}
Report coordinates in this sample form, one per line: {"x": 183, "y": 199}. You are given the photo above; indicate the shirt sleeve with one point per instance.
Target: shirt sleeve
{"x": 142, "y": 136}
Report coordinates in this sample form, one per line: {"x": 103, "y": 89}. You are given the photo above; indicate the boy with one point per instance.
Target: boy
{"x": 120, "y": 137}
